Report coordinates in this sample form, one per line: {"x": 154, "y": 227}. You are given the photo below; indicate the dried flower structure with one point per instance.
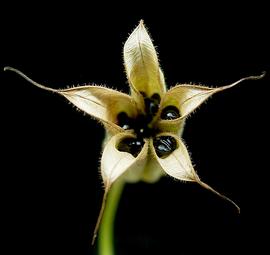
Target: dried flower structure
{"x": 143, "y": 129}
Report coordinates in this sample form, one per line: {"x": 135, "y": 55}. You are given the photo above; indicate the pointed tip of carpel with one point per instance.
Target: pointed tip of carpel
{"x": 263, "y": 74}
{"x": 8, "y": 68}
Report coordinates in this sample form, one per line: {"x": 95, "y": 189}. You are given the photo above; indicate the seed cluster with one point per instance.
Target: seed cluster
{"x": 164, "y": 145}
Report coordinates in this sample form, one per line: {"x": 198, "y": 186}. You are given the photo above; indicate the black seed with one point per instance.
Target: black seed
{"x": 151, "y": 107}
{"x": 140, "y": 126}
{"x": 156, "y": 98}
{"x": 170, "y": 113}
{"x": 124, "y": 121}
{"x": 164, "y": 146}
{"x": 131, "y": 145}
{"x": 152, "y": 104}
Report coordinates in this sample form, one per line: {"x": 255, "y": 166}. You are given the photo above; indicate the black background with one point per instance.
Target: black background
{"x": 52, "y": 188}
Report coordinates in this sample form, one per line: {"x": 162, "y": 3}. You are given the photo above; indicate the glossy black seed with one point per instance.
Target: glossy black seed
{"x": 151, "y": 107}
{"x": 131, "y": 145}
{"x": 164, "y": 146}
{"x": 152, "y": 104}
{"x": 124, "y": 121}
{"x": 170, "y": 113}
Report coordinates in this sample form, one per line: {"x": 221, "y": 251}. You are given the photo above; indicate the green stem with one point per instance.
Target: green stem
{"x": 106, "y": 231}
